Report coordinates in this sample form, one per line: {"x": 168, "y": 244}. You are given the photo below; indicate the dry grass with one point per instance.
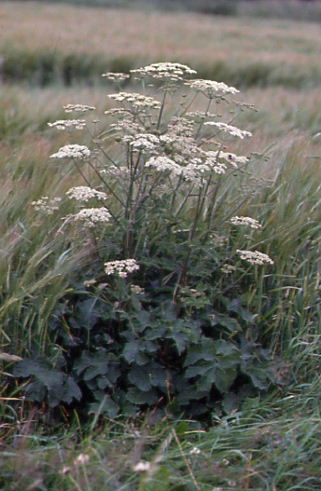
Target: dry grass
{"x": 140, "y": 36}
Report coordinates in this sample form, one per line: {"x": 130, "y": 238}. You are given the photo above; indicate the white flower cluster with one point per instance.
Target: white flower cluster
{"x": 136, "y": 99}
{"x": 142, "y": 467}
{"x": 255, "y": 257}
{"x": 211, "y": 88}
{"x": 227, "y": 128}
{"x": 127, "y": 127}
{"x": 114, "y": 171}
{"x": 165, "y": 70}
{"x": 85, "y": 193}
{"x": 143, "y": 142}
{"x": 213, "y": 163}
{"x": 121, "y": 268}
{"x": 231, "y": 158}
{"x": 200, "y": 116}
{"x": 91, "y": 216}
{"x": 138, "y": 290}
{"x": 64, "y": 124}
{"x": 46, "y": 205}
{"x": 181, "y": 126}
{"x": 228, "y": 268}
{"x": 78, "y": 108}
{"x": 219, "y": 240}
{"x": 163, "y": 163}
{"x": 195, "y": 451}
{"x": 250, "y": 222}
{"x": 194, "y": 171}
{"x": 73, "y": 151}
{"x": 81, "y": 459}
{"x": 116, "y": 111}
{"x": 116, "y": 76}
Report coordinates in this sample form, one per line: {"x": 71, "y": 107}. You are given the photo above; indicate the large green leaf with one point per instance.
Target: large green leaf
{"x": 139, "y": 377}
{"x": 50, "y": 382}
{"x": 137, "y": 396}
{"x": 104, "y": 405}
{"x": 206, "y": 350}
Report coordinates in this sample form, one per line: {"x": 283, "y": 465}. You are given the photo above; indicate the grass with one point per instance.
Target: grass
{"x": 271, "y": 443}
{"x": 288, "y": 9}
{"x": 76, "y": 44}
{"x": 268, "y": 446}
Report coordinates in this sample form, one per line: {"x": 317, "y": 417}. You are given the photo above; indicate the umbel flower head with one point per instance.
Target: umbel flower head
{"x": 227, "y": 128}
{"x": 250, "y": 222}
{"x": 165, "y": 71}
{"x": 121, "y": 267}
{"x": 255, "y": 257}
{"x": 64, "y": 124}
{"x": 74, "y": 151}
{"x": 80, "y": 108}
{"x": 210, "y": 88}
{"x": 46, "y": 205}
{"x": 136, "y": 99}
{"x": 116, "y": 76}
{"x": 90, "y": 216}
{"x": 85, "y": 193}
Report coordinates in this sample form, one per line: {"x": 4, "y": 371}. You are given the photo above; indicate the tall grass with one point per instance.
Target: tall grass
{"x": 287, "y": 9}
{"x": 80, "y": 43}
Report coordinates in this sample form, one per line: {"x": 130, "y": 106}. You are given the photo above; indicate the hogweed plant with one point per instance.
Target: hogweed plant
{"x": 167, "y": 167}
{"x": 161, "y": 316}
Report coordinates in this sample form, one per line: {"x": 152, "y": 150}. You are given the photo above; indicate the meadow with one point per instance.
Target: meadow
{"x": 75, "y": 45}
{"x": 267, "y": 441}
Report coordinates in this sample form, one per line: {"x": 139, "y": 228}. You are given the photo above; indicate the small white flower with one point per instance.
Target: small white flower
{"x": 121, "y": 267}
{"x": 195, "y": 451}
{"x": 81, "y": 459}
{"x": 210, "y": 88}
{"x": 250, "y": 222}
{"x": 144, "y": 142}
{"x": 227, "y": 128}
{"x": 63, "y": 124}
{"x": 138, "y": 290}
{"x": 85, "y": 193}
{"x": 219, "y": 240}
{"x": 163, "y": 163}
{"x": 255, "y": 257}
{"x": 78, "y": 108}
{"x": 73, "y": 151}
{"x": 165, "y": 70}
{"x": 142, "y": 467}
{"x": 91, "y": 282}
{"x": 46, "y": 205}
{"x": 90, "y": 216}
{"x": 136, "y": 99}
{"x": 228, "y": 268}
{"x": 116, "y": 76}
{"x": 229, "y": 157}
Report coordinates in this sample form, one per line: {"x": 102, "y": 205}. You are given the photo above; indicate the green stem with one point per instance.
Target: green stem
{"x": 161, "y": 110}
{"x": 202, "y": 122}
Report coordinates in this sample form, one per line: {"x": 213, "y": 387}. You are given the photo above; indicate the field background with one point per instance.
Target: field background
{"x": 53, "y": 53}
